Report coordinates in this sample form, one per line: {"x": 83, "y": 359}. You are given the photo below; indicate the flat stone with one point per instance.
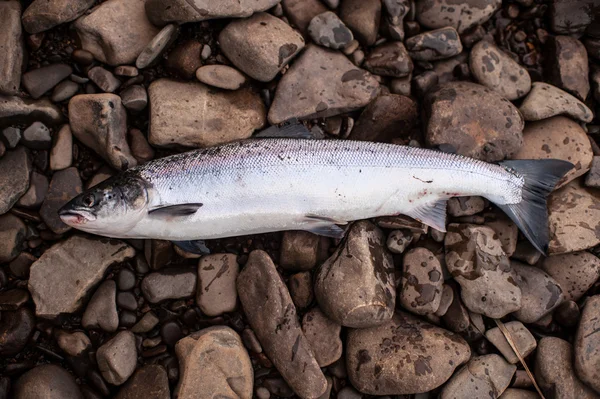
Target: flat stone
{"x": 567, "y": 65}
{"x": 116, "y": 31}
{"x": 117, "y": 358}
{"x": 462, "y": 16}
{"x": 221, "y": 76}
{"x": 38, "y": 81}
{"x": 308, "y": 91}
{"x": 216, "y": 293}
{"x": 495, "y": 69}
{"x": 47, "y": 381}
{"x": 323, "y": 335}
{"x": 64, "y": 91}
{"x": 15, "y": 110}
{"x": 105, "y": 80}
{"x": 370, "y": 271}
{"x": 573, "y": 215}
{"x": 558, "y": 137}
{"x": 157, "y": 46}
{"x": 545, "y": 101}
{"x": 194, "y": 115}
{"x": 62, "y": 277}
{"x": 185, "y": 59}
{"x": 301, "y": 289}
{"x": 213, "y": 362}
{"x": 522, "y": 338}
{"x": 43, "y": 15}
{"x": 162, "y": 12}
{"x": 261, "y": 45}
{"x": 101, "y": 311}
{"x": 540, "y": 293}
{"x": 100, "y": 122}
{"x": 61, "y": 154}
{"x": 575, "y": 272}
{"x": 12, "y": 46}
{"x": 475, "y": 258}
{"x": 593, "y": 177}
{"x": 554, "y": 370}
{"x": 434, "y": 45}
{"x": 15, "y": 169}
{"x": 15, "y": 330}
{"x": 169, "y": 284}
{"x": 362, "y": 17}
{"x": 126, "y": 70}
{"x": 474, "y": 120}
{"x": 37, "y": 137}
{"x": 485, "y": 376}
{"x": 587, "y": 344}
{"x": 389, "y": 59}
{"x": 134, "y": 98}
{"x": 301, "y": 12}
{"x": 422, "y": 280}
{"x": 73, "y": 344}
{"x": 403, "y": 356}
{"x": 64, "y": 186}
{"x": 275, "y": 323}
{"x": 36, "y": 193}
{"x": 328, "y": 30}
{"x": 148, "y": 382}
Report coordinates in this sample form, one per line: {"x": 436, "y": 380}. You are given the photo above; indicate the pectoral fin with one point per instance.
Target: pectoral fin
{"x": 176, "y": 210}
{"x": 194, "y": 246}
{"x": 432, "y": 214}
{"x": 325, "y": 226}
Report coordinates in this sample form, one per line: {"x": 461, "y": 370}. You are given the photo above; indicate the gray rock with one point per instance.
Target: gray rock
{"x": 465, "y": 206}
{"x": 62, "y": 277}
{"x": 300, "y": 250}
{"x": 170, "y": 284}
{"x": 389, "y": 59}
{"x": 462, "y": 16}
{"x": 105, "y": 80}
{"x": 323, "y": 335}
{"x": 148, "y": 382}
{"x": 587, "y": 344}
{"x": 61, "y": 155}
{"x": 146, "y": 323}
{"x": 567, "y": 65}
{"x": 301, "y": 12}
{"x": 522, "y": 338}
{"x": 43, "y": 15}
{"x": 484, "y": 376}
{"x": 100, "y": 122}
{"x": 47, "y": 381}
{"x": 301, "y": 289}
{"x": 328, "y": 30}
{"x": 593, "y": 177}
{"x": 194, "y": 115}
{"x": 545, "y": 101}
{"x": 73, "y": 344}
{"x": 15, "y": 110}
{"x": 216, "y": 293}
{"x": 15, "y": 330}
{"x": 276, "y": 325}
{"x": 213, "y": 362}
{"x": 495, "y": 69}
{"x": 64, "y": 91}
{"x": 11, "y": 136}
{"x": 554, "y": 371}
{"x": 422, "y": 280}
{"x": 362, "y": 16}
{"x": 64, "y": 186}
{"x": 162, "y": 12}
{"x": 38, "y": 81}
{"x": 134, "y": 98}
{"x": 117, "y": 358}
{"x": 403, "y": 356}
{"x": 474, "y": 120}
{"x": 12, "y": 237}
{"x": 37, "y": 137}
{"x": 157, "y": 46}
{"x": 15, "y": 168}
{"x": 261, "y": 45}
{"x": 434, "y": 45}
{"x": 308, "y": 91}
{"x": 355, "y": 287}
{"x": 575, "y": 272}
{"x": 101, "y": 311}
{"x": 475, "y": 258}
{"x": 221, "y": 76}
{"x": 12, "y": 46}
{"x": 540, "y": 293}
{"x": 116, "y": 31}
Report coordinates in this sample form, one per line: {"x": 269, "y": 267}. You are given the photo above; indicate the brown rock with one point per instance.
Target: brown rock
{"x": 568, "y": 65}
{"x": 140, "y": 148}
{"x": 545, "y": 101}
{"x": 389, "y": 59}
{"x": 12, "y": 236}
{"x": 43, "y": 15}
{"x": 148, "y": 382}
{"x": 221, "y": 76}
{"x": 301, "y": 12}
{"x": 434, "y": 45}
{"x": 362, "y": 17}
{"x": 301, "y": 250}
{"x": 184, "y": 59}
{"x": 61, "y": 155}
{"x": 575, "y": 272}
{"x": 13, "y": 46}
{"x": 216, "y": 292}
{"x": 64, "y": 186}
{"x": 117, "y": 358}
{"x": 47, "y": 381}
{"x": 422, "y": 280}
{"x": 15, "y": 330}
{"x": 301, "y": 290}
{"x": 522, "y": 338}
{"x": 170, "y": 284}
{"x": 15, "y": 109}
{"x": 462, "y": 16}
{"x": 15, "y": 169}
{"x": 323, "y": 335}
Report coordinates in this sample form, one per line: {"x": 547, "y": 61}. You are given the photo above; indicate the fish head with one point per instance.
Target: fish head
{"x": 111, "y": 208}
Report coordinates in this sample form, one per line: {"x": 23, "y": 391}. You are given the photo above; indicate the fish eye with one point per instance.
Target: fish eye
{"x": 88, "y": 200}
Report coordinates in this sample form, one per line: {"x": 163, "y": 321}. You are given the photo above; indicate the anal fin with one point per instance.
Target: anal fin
{"x": 432, "y": 214}
{"x": 193, "y": 246}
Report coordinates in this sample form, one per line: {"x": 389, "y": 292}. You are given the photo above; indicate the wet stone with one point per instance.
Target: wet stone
{"x": 61, "y": 155}
{"x": 153, "y": 50}
{"x": 328, "y": 30}
{"x": 169, "y": 284}
{"x": 12, "y": 47}
{"x": 522, "y": 338}
{"x": 567, "y": 65}
{"x": 64, "y": 186}
{"x": 134, "y": 98}
{"x": 301, "y": 289}
{"x": 507, "y": 232}
{"x": 389, "y": 59}
{"x": 221, "y": 76}
{"x": 105, "y": 80}
{"x": 540, "y": 293}
{"x": 148, "y": 382}
{"x": 422, "y": 280}
{"x": 434, "y": 45}
{"x": 38, "y": 81}
{"x": 37, "y": 137}
{"x": 12, "y": 236}
{"x": 545, "y": 101}
{"x": 323, "y": 335}
{"x": 587, "y": 344}
{"x": 64, "y": 91}
{"x": 403, "y": 356}
{"x": 101, "y": 311}
{"x": 575, "y": 272}
{"x": 117, "y": 358}
{"x": 15, "y": 330}
{"x": 47, "y": 381}
{"x": 462, "y": 16}
{"x": 216, "y": 293}
{"x": 360, "y": 264}
{"x": 362, "y": 17}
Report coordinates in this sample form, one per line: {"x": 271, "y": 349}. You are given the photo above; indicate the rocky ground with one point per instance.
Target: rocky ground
{"x": 88, "y": 88}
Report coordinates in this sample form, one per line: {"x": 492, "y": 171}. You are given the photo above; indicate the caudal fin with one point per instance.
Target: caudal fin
{"x": 531, "y": 214}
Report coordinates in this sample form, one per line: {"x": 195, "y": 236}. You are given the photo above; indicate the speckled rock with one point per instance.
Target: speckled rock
{"x": 117, "y": 358}
{"x": 484, "y": 376}
{"x": 508, "y": 233}
{"x": 558, "y": 138}
{"x": 575, "y": 272}
{"x": 47, "y": 381}
{"x": 260, "y": 45}
{"x": 593, "y": 177}
{"x": 475, "y": 258}
{"x": 389, "y": 59}
{"x": 422, "y": 280}
{"x": 545, "y": 101}
{"x": 574, "y": 215}
{"x": 523, "y": 339}
{"x": 462, "y": 15}
{"x": 12, "y": 46}
{"x": 474, "y": 120}
{"x": 328, "y": 30}
{"x": 567, "y": 65}
{"x": 587, "y": 344}
{"x": 221, "y": 76}
{"x": 434, "y": 45}
{"x": 362, "y": 16}
{"x": 15, "y": 169}
{"x": 399, "y": 240}
{"x": 321, "y": 83}
{"x": 355, "y": 286}
{"x": 194, "y": 115}
{"x": 214, "y": 363}
{"x": 42, "y": 15}
{"x": 323, "y": 335}
{"x": 216, "y": 293}
{"x": 495, "y": 69}
{"x": 540, "y": 293}
{"x": 403, "y": 356}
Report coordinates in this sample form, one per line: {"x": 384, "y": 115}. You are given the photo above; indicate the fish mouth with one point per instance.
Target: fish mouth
{"x": 76, "y": 216}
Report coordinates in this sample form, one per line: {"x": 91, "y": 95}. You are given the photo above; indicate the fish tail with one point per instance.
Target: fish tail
{"x": 531, "y": 214}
